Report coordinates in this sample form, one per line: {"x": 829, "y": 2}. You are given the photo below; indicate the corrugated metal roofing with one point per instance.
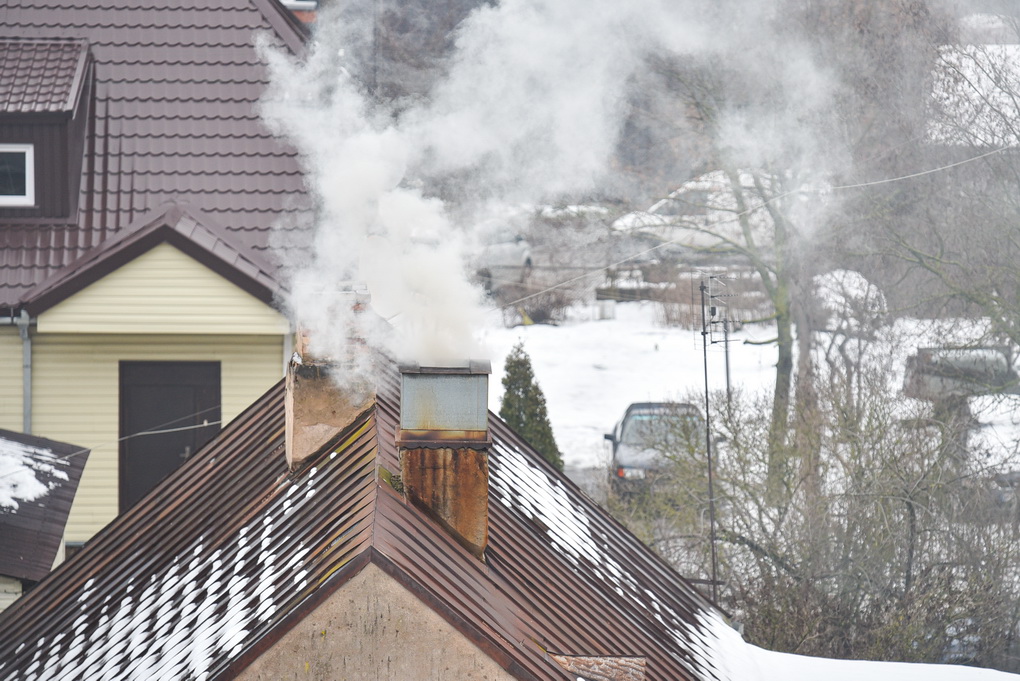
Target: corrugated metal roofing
{"x": 32, "y": 525}
{"x": 176, "y": 89}
{"x": 231, "y": 550}
{"x": 40, "y": 76}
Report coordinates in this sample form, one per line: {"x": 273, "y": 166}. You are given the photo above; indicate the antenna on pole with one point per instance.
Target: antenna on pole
{"x": 705, "y": 340}
{"x": 709, "y": 311}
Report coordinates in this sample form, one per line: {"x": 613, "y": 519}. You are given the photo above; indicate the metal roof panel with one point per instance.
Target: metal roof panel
{"x": 176, "y": 88}
{"x": 256, "y": 544}
{"x": 40, "y": 75}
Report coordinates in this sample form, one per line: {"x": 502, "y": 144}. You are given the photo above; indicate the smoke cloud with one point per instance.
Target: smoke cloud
{"x": 530, "y": 108}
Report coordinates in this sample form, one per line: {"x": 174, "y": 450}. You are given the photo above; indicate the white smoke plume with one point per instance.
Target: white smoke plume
{"x": 531, "y": 108}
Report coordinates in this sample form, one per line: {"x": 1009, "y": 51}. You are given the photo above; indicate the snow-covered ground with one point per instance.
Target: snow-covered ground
{"x": 590, "y": 369}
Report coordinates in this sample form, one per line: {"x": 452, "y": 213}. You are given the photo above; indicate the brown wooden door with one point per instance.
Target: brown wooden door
{"x": 168, "y": 410}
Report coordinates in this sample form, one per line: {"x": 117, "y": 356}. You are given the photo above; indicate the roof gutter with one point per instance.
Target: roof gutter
{"x": 23, "y": 322}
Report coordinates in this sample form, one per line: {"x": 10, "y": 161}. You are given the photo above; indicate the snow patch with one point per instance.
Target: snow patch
{"x": 27, "y": 473}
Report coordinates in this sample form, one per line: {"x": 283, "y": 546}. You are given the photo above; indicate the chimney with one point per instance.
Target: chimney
{"x": 316, "y": 410}
{"x": 444, "y": 444}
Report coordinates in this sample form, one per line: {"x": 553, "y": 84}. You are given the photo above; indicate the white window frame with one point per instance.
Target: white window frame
{"x": 28, "y": 198}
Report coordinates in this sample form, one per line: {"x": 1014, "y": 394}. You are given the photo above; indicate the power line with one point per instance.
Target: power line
{"x": 157, "y": 430}
{"x": 736, "y": 217}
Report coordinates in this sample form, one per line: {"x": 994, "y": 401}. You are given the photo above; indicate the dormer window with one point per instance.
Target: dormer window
{"x": 17, "y": 175}
{"x": 45, "y": 108}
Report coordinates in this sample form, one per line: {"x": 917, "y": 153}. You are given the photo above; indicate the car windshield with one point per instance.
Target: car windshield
{"x": 659, "y": 430}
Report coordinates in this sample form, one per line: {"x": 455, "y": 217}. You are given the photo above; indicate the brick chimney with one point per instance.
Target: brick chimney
{"x": 444, "y": 447}
{"x": 316, "y": 410}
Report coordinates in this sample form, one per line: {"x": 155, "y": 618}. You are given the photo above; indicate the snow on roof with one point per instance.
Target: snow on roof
{"x": 27, "y": 472}
{"x": 742, "y": 661}
{"x": 38, "y": 481}
{"x": 704, "y": 213}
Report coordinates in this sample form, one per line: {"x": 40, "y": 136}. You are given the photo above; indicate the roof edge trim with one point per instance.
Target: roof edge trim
{"x": 294, "y": 34}
{"x": 159, "y": 228}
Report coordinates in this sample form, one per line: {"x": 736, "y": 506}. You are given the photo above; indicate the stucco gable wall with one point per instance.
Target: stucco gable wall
{"x": 372, "y": 628}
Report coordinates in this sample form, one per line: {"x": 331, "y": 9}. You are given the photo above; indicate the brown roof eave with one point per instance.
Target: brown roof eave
{"x": 339, "y": 578}
{"x": 472, "y": 632}
{"x": 314, "y": 600}
{"x": 108, "y": 258}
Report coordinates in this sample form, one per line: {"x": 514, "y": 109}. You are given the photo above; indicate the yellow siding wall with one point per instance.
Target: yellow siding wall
{"x": 162, "y": 291}
{"x": 10, "y": 378}
{"x": 10, "y": 591}
{"x": 76, "y": 385}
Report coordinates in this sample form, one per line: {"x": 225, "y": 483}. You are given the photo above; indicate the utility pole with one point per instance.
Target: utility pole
{"x": 708, "y": 443}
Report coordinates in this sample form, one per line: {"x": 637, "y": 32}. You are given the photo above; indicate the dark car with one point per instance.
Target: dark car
{"x": 647, "y": 435}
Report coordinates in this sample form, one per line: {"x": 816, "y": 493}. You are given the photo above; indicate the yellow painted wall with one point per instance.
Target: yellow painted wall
{"x": 76, "y": 385}
{"x": 10, "y": 378}
{"x": 162, "y": 291}
{"x": 10, "y": 591}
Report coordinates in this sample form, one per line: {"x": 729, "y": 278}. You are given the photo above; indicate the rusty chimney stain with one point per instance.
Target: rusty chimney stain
{"x": 444, "y": 441}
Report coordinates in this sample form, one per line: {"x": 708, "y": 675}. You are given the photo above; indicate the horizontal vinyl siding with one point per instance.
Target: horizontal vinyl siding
{"x": 10, "y": 378}
{"x": 10, "y": 591}
{"x": 76, "y": 384}
{"x": 163, "y": 291}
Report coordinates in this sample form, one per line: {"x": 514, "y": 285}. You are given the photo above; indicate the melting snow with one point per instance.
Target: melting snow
{"x": 27, "y": 473}
{"x": 169, "y": 627}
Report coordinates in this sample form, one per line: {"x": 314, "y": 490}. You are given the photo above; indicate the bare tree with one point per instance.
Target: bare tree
{"x": 903, "y": 552}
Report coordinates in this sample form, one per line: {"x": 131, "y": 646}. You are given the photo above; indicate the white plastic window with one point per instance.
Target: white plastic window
{"x": 17, "y": 175}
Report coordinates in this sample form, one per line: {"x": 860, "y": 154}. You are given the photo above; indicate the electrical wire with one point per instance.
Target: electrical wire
{"x": 156, "y": 430}
{"x": 737, "y": 216}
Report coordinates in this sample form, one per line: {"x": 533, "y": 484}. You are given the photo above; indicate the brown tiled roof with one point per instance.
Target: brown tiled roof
{"x": 232, "y": 550}
{"x": 41, "y": 76}
{"x": 31, "y": 532}
{"x": 176, "y": 89}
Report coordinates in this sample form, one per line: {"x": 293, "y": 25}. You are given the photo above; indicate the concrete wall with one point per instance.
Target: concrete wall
{"x": 372, "y": 628}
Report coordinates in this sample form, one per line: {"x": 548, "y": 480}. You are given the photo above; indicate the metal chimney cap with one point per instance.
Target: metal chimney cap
{"x": 473, "y": 367}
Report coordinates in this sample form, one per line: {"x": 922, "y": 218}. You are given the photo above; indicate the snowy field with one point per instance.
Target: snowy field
{"x": 590, "y": 369}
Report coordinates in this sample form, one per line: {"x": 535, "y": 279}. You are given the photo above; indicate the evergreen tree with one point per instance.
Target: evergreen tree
{"x": 523, "y": 406}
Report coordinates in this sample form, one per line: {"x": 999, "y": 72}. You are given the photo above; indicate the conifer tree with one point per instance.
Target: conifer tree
{"x": 523, "y": 406}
